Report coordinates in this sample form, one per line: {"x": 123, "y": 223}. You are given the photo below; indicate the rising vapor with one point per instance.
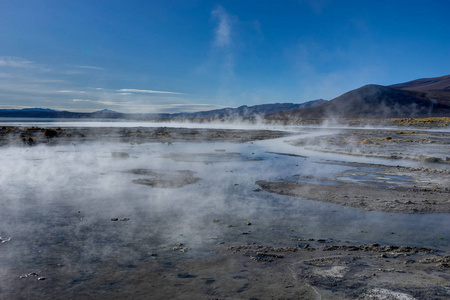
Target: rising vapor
{"x": 223, "y": 29}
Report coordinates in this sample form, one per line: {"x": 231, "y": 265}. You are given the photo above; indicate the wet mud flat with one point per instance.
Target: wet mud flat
{"x": 368, "y": 186}
{"x": 32, "y": 136}
{"x": 206, "y": 221}
{"x": 374, "y": 187}
{"x": 302, "y": 270}
{"x": 413, "y": 144}
{"x": 350, "y": 272}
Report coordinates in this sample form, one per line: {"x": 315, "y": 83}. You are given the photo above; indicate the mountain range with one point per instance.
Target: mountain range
{"x": 426, "y": 97}
{"x": 227, "y": 113}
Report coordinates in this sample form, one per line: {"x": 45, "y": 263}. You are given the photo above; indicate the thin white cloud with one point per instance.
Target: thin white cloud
{"x": 91, "y": 67}
{"x": 51, "y": 81}
{"x": 101, "y": 102}
{"x": 220, "y": 62}
{"x": 133, "y": 107}
{"x": 223, "y": 29}
{"x": 15, "y": 62}
{"x": 72, "y": 91}
{"x": 27, "y": 89}
{"x": 26, "y": 83}
{"x": 20, "y": 63}
{"x": 192, "y": 107}
{"x": 147, "y": 91}
{"x": 82, "y": 100}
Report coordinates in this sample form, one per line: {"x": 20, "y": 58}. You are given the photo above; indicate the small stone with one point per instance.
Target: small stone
{"x": 120, "y": 155}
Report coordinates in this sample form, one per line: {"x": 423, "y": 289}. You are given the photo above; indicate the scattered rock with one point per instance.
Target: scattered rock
{"x": 378, "y": 248}
{"x": 122, "y": 219}
{"x": 4, "y": 239}
{"x": 180, "y": 248}
{"x": 186, "y": 275}
{"x": 33, "y": 274}
{"x": 120, "y": 155}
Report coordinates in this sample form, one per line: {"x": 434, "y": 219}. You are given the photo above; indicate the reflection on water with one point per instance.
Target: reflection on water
{"x": 69, "y": 211}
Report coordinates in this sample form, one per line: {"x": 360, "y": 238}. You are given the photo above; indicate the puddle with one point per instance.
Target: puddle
{"x": 310, "y": 179}
{"x": 80, "y": 230}
{"x": 377, "y": 179}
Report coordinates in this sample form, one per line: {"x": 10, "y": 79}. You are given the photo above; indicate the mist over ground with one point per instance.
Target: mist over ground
{"x": 80, "y": 214}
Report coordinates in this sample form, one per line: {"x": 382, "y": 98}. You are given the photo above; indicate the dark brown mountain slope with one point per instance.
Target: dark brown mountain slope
{"x": 437, "y": 87}
{"x": 376, "y": 101}
{"x": 436, "y": 84}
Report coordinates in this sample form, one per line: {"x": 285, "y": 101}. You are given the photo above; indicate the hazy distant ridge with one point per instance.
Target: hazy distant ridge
{"x": 240, "y": 112}
{"x": 250, "y": 111}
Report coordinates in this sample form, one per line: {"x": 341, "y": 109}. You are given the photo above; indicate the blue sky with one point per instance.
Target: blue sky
{"x": 171, "y": 56}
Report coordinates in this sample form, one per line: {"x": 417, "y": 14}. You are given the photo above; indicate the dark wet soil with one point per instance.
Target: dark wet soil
{"x": 356, "y": 272}
{"x": 258, "y": 272}
{"x": 31, "y": 136}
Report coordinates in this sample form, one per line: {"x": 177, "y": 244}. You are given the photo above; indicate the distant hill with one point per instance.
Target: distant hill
{"x": 29, "y": 109}
{"x": 419, "y": 98}
{"x": 105, "y": 111}
{"x": 240, "y": 112}
{"x": 37, "y": 109}
{"x": 250, "y": 111}
{"x": 40, "y": 113}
